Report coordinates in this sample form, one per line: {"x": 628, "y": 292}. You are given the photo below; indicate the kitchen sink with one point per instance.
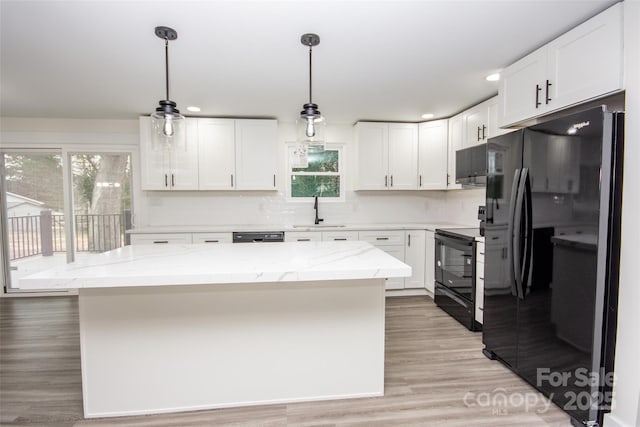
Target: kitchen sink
{"x": 318, "y": 226}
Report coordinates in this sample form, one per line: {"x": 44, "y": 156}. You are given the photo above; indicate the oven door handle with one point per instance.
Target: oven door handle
{"x": 510, "y": 236}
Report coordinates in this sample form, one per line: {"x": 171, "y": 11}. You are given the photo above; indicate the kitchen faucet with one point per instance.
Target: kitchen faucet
{"x": 315, "y": 206}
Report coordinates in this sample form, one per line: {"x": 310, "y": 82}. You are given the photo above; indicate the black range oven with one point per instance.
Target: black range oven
{"x": 455, "y": 267}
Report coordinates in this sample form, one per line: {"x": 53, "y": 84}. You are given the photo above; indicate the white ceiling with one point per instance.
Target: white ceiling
{"x": 377, "y": 60}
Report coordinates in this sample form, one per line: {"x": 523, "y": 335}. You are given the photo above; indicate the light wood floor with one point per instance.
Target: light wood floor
{"x": 435, "y": 375}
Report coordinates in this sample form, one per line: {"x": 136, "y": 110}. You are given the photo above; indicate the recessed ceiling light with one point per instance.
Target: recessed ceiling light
{"x": 428, "y": 116}
{"x": 493, "y": 77}
{"x": 193, "y": 109}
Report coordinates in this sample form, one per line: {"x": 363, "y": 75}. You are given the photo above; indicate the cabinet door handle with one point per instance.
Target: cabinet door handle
{"x": 274, "y": 180}
{"x": 538, "y": 89}
{"x": 484, "y": 130}
{"x": 166, "y": 182}
{"x": 478, "y": 133}
{"x": 391, "y": 180}
{"x": 339, "y": 238}
{"x": 547, "y": 99}
{"x": 303, "y": 240}
{"x": 173, "y": 181}
{"x": 385, "y": 181}
{"x": 382, "y": 238}
{"x": 160, "y": 241}
{"x": 420, "y": 180}
{"x": 409, "y": 240}
{"x": 232, "y": 180}
{"x": 212, "y": 241}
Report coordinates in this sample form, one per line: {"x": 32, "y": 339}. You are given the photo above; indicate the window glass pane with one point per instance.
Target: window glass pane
{"x": 101, "y": 200}
{"x": 315, "y": 185}
{"x": 34, "y": 195}
{"x": 324, "y": 161}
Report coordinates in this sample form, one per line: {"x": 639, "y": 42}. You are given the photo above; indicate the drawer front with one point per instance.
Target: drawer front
{"x": 339, "y": 235}
{"x": 212, "y": 238}
{"x": 302, "y": 236}
{"x": 168, "y": 238}
{"x": 383, "y": 238}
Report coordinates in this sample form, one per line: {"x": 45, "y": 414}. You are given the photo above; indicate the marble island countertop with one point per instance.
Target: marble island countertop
{"x": 294, "y": 227}
{"x": 193, "y": 264}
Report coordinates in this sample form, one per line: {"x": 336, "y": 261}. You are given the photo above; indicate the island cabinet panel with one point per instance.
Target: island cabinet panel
{"x": 432, "y": 155}
{"x": 178, "y": 348}
{"x": 580, "y": 65}
{"x": 169, "y": 169}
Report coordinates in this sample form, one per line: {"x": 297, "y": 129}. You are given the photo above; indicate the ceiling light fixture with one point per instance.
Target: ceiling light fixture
{"x": 193, "y": 109}
{"x": 428, "y": 116}
{"x": 311, "y": 123}
{"x": 167, "y": 124}
{"x": 493, "y": 77}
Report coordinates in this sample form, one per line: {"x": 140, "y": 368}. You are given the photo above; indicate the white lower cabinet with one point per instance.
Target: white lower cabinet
{"x": 479, "y": 281}
{"x": 302, "y": 236}
{"x": 161, "y": 238}
{"x": 430, "y": 262}
{"x": 414, "y": 256}
{"x": 392, "y": 242}
{"x": 339, "y": 235}
{"x": 212, "y": 237}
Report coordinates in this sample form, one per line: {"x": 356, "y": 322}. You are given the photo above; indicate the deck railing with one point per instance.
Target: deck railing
{"x": 45, "y": 234}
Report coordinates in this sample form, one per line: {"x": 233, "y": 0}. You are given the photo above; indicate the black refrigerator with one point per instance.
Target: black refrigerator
{"x": 552, "y": 239}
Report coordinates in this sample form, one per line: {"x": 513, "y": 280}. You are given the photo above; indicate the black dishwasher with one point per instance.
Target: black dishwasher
{"x": 258, "y": 236}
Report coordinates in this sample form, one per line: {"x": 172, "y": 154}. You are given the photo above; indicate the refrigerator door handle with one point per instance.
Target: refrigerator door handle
{"x": 528, "y": 234}
{"x": 518, "y": 235}
{"x": 510, "y": 237}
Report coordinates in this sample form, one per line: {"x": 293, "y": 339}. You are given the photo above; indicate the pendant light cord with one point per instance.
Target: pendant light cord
{"x": 166, "y": 63}
{"x": 310, "y": 74}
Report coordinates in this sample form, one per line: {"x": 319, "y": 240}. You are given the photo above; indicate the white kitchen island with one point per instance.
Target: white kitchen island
{"x": 167, "y": 328}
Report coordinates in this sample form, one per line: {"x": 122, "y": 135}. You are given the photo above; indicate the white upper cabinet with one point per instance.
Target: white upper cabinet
{"x": 163, "y": 169}
{"x": 456, "y": 130}
{"x": 256, "y": 150}
{"x": 373, "y": 155}
{"x": 403, "y": 156}
{"x": 216, "y": 163}
{"x": 387, "y": 156}
{"x": 476, "y": 123}
{"x": 582, "y": 64}
{"x": 432, "y": 155}
{"x": 220, "y": 154}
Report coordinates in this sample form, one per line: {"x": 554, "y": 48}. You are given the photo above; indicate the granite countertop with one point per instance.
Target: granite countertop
{"x": 302, "y": 227}
{"x": 157, "y": 265}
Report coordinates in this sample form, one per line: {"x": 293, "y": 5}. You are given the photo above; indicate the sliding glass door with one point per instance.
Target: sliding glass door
{"x": 59, "y": 207}
{"x": 35, "y": 229}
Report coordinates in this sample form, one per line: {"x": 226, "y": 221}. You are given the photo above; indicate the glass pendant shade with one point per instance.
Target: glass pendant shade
{"x": 168, "y": 127}
{"x": 310, "y": 131}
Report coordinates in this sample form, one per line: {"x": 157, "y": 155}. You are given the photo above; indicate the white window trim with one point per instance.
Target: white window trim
{"x": 341, "y": 172}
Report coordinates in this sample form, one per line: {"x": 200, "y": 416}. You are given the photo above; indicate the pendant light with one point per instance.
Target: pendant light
{"x": 311, "y": 123}
{"x": 167, "y": 124}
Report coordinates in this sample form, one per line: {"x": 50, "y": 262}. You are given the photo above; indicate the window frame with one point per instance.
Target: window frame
{"x": 341, "y": 174}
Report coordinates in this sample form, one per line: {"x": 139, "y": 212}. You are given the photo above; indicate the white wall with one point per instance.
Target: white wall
{"x": 626, "y": 389}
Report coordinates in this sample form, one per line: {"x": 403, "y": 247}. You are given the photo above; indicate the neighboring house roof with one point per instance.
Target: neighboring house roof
{"x": 14, "y": 200}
